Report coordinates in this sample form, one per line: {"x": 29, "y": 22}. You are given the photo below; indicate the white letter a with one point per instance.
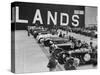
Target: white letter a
{"x": 37, "y": 17}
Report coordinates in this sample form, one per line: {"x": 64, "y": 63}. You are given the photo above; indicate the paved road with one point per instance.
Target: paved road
{"x": 29, "y": 56}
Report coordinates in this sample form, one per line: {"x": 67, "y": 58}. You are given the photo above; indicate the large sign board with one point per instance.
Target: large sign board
{"x": 24, "y": 14}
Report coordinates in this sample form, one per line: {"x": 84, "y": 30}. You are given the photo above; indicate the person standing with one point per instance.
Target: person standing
{"x": 28, "y": 30}
{"x": 71, "y": 63}
{"x": 52, "y": 64}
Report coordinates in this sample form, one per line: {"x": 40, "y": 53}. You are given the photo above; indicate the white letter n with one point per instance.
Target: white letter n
{"x": 53, "y": 19}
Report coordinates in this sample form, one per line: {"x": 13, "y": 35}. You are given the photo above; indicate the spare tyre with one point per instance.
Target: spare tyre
{"x": 56, "y": 52}
{"x": 62, "y": 57}
{"x": 47, "y": 42}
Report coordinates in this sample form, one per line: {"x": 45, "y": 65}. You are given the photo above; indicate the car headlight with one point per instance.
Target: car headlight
{"x": 87, "y": 57}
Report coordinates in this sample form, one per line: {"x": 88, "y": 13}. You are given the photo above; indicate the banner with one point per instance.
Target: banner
{"x": 28, "y": 14}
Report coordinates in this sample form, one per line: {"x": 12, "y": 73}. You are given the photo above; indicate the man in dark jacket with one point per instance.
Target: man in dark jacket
{"x": 69, "y": 64}
{"x": 52, "y": 64}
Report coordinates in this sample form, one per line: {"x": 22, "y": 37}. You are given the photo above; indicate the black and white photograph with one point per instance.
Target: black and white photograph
{"x": 49, "y": 37}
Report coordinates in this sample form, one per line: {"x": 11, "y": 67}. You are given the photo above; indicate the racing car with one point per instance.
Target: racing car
{"x": 37, "y": 32}
{"x": 45, "y": 36}
{"x": 55, "y": 39}
{"x": 84, "y": 55}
